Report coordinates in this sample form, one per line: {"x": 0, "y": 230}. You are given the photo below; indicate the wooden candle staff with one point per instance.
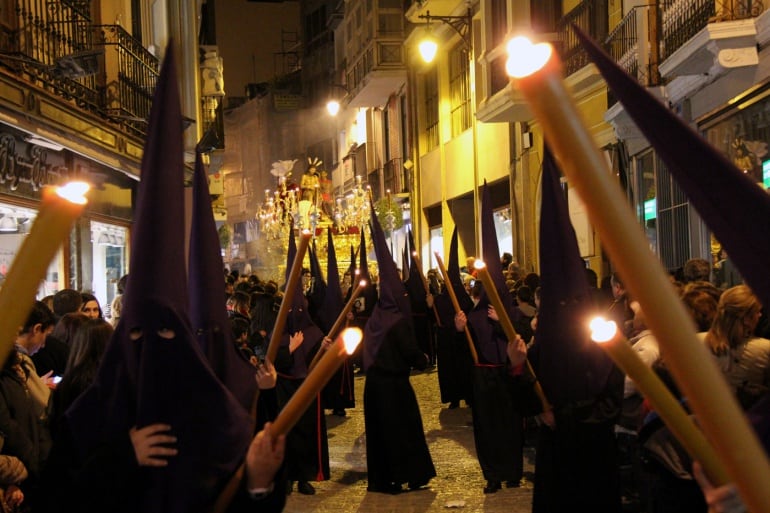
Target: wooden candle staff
{"x": 59, "y": 209}
{"x": 609, "y": 338}
{"x": 456, "y": 305}
{"x": 288, "y": 296}
{"x": 505, "y": 323}
{"x": 342, "y": 348}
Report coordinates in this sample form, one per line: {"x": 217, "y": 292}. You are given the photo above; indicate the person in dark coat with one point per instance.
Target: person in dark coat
{"x": 453, "y": 354}
{"x": 396, "y": 450}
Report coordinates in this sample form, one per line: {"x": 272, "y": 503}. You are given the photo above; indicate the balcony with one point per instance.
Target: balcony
{"x": 507, "y": 104}
{"x": 88, "y": 86}
{"x": 703, "y": 39}
{"x": 375, "y": 54}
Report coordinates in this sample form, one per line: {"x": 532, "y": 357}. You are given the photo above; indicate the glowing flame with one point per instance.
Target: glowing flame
{"x": 526, "y": 58}
{"x": 479, "y": 264}
{"x": 74, "y": 192}
{"x": 603, "y": 330}
{"x": 351, "y": 337}
{"x": 306, "y": 233}
{"x": 362, "y": 283}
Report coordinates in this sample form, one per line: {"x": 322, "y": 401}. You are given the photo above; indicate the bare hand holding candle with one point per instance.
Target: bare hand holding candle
{"x": 536, "y": 72}
{"x": 505, "y": 323}
{"x": 59, "y": 209}
{"x": 456, "y": 306}
{"x": 341, "y": 318}
{"x": 343, "y": 347}
{"x": 288, "y": 296}
{"x": 612, "y": 341}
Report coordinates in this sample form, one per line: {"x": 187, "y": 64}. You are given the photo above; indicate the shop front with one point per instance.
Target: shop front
{"x": 95, "y": 256}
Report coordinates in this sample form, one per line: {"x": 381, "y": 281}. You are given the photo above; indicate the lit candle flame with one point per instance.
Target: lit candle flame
{"x": 526, "y": 58}
{"x": 603, "y": 330}
{"x": 351, "y": 337}
{"x": 479, "y": 264}
{"x": 361, "y": 283}
{"x": 74, "y": 192}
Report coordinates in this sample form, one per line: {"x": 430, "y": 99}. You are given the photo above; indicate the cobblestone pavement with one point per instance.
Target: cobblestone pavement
{"x": 458, "y": 483}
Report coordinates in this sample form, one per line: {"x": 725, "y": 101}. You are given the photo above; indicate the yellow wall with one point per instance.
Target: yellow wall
{"x": 430, "y": 178}
{"x": 493, "y": 151}
{"x": 459, "y": 165}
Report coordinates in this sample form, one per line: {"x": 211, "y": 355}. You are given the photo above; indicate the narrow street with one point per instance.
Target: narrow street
{"x": 458, "y": 483}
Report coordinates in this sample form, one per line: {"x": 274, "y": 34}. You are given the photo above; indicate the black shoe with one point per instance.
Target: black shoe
{"x": 390, "y": 488}
{"x": 289, "y": 486}
{"x": 340, "y": 412}
{"x": 305, "y": 488}
{"x": 512, "y": 484}
{"x": 492, "y": 486}
{"x": 454, "y": 405}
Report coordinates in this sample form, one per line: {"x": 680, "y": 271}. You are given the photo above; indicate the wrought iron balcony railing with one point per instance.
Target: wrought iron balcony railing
{"x": 591, "y": 16}
{"x": 54, "y": 45}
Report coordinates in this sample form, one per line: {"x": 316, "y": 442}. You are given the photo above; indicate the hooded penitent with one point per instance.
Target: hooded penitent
{"x": 570, "y": 366}
{"x": 333, "y": 302}
{"x": 733, "y": 207}
{"x": 317, "y": 293}
{"x": 299, "y": 320}
{"x": 491, "y": 348}
{"x": 153, "y": 370}
{"x": 207, "y": 288}
{"x": 392, "y": 304}
{"x": 443, "y": 303}
{"x": 369, "y": 294}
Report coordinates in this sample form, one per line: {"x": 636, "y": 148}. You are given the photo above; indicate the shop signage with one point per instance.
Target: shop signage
{"x": 28, "y": 163}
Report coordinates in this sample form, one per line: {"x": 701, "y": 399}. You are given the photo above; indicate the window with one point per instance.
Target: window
{"x": 673, "y": 220}
{"x": 430, "y": 95}
{"x": 499, "y": 17}
{"x": 460, "y": 89}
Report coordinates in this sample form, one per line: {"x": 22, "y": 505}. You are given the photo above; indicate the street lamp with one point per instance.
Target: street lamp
{"x": 461, "y": 24}
{"x": 333, "y": 105}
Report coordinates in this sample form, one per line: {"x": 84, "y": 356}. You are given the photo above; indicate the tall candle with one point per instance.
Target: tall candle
{"x": 612, "y": 341}
{"x": 59, "y": 209}
{"x": 288, "y": 296}
{"x": 456, "y": 305}
{"x": 691, "y": 364}
{"x": 343, "y": 347}
{"x": 505, "y": 323}
{"x": 340, "y": 319}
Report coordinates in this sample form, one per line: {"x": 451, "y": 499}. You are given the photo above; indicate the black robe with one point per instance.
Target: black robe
{"x": 307, "y": 445}
{"x": 497, "y": 421}
{"x": 396, "y": 450}
{"x": 453, "y": 356}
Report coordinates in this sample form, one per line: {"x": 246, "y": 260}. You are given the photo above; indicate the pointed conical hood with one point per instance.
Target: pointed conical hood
{"x": 414, "y": 285}
{"x": 291, "y": 253}
{"x": 393, "y": 303}
{"x": 445, "y": 307}
{"x": 570, "y": 366}
{"x": 207, "y": 291}
{"x": 733, "y": 207}
{"x": 299, "y": 319}
{"x": 491, "y": 347}
{"x": 405, "y": 261}
{"x": 333, "y": 302}
{"x": 153, "y": 370}
{"x": 317, "y": 294}
{"x": 369, "y": 294}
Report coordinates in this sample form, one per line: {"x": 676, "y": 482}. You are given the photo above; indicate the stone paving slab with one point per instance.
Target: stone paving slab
{"x": 450, "y": 438}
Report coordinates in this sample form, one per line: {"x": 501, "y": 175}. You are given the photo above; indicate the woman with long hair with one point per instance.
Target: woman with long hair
{"x": 86, "y": 351}
{"x": 743, "y": 357}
